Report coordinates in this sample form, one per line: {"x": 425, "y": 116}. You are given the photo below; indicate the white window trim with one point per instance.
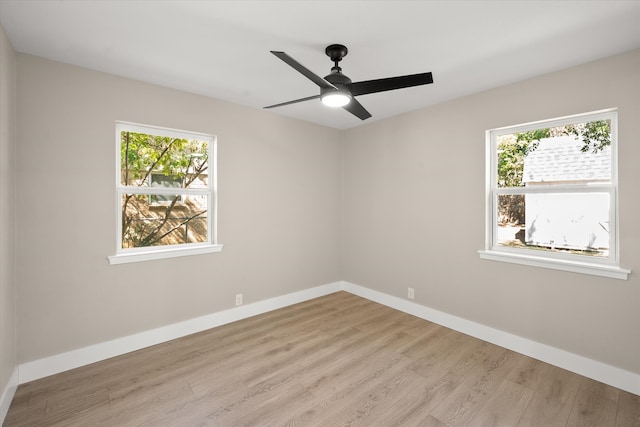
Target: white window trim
{"x": 124, "y": 258}
{"x": 129, "y": 255}
{"x": 608, "y": 267}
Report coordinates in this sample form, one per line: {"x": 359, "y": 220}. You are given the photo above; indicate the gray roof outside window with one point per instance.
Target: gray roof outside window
{"x": 559, "y": 159}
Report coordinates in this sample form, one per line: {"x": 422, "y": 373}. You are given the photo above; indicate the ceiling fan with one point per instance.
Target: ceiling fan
{"x": 337, "y": 90}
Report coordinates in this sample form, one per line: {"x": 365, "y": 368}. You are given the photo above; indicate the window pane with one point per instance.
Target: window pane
{"x": 145, "y": 159}
{"x": 573, "y": 154}
{"x": 571, "y": 222}
{"x": 147, "y": 221}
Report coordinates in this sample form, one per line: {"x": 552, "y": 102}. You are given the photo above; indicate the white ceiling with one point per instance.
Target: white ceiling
{"x": 221, "y": 48}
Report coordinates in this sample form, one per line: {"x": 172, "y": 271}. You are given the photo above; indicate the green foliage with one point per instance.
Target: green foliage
{"x": 595, "y": 135}
{"x": 512, "y": 150}
{"x": 534, "y": 136}
{"x": 511, "y": 155}
{"x": 142, "y": 154}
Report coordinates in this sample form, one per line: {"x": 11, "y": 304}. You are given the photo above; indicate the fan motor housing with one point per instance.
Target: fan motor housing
{"x": 338, "y": 79}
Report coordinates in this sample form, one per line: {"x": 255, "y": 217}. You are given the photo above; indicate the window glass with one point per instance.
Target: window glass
{"x": 149, "y": 224}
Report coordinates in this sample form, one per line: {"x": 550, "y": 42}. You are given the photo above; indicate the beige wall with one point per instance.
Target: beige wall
{"x": 408, "y": 213}
{"x": 279, "y": 209}
{"x": 415, "y": 210}
{"x": 8, "y": 361}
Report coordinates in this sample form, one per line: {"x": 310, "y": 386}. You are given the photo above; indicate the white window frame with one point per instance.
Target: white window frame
{"x": 127, "y": 255}
{"x": 600, "y": 266}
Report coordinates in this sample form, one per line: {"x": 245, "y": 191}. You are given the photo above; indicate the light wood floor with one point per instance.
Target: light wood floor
{"x": 339, "y": 360}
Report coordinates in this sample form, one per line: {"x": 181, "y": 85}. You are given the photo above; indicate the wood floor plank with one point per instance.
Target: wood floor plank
{"x": 418, "y": 404}
{"x": 551, "y": 404}
{"x": 416, "y": 326}
{"x": 628, "y": 414}
{"x": 467, "y": 399}
{"x": 505, "y": 406}
{"x": 529, "y": 372}
{"x": 431, "y": 421}
{"x": 331, "y": 361}
{"x": 23, "y": 412}
{"x": 350, "y": 399}
{"x": 382, "y": 400}
{"x": 427, "y": 342}
{"x": 282, "y": 358}
{"x": 333, "y": 375}
{"x": 196, "y": 411}
{"x": 414, "y": 400}
{"x": 262, "y": 406}
{"x": 442, "y": 373}
{"x": 595, "y": 405}
{"x": 451, "y": 350}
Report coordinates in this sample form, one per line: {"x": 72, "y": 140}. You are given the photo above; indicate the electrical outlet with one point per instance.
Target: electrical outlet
{"x": 238, "y": 299}
{"x": 410, "y": 293}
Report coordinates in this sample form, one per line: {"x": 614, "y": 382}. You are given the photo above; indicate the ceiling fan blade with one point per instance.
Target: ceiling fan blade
{"x": 304, "y": 70}
{"x": 391, "y": 83}
{"x": 308, "y": 98}
{"x": 355, "y": 108}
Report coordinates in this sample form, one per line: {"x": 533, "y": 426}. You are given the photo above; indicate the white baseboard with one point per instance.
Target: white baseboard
{"x": 7, "y": 394}
{"x": 598, "y": 371}
{"x": 94, "y": 353}
{"x": 581, "y": 365}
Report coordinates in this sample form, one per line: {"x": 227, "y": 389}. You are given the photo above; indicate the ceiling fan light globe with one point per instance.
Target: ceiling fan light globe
{"x": 335, "y": 99}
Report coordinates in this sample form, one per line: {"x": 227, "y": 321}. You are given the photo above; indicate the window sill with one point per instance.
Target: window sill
{"x": 162, "y": 254}
{"x": 610, "y": 271}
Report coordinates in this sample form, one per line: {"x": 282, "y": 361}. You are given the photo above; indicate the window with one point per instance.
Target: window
{"x": 166, "y": 193}
{"x": 552, "y": 194}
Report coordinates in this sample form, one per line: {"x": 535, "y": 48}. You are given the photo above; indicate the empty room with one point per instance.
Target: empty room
{"x": 319, "y": 213}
